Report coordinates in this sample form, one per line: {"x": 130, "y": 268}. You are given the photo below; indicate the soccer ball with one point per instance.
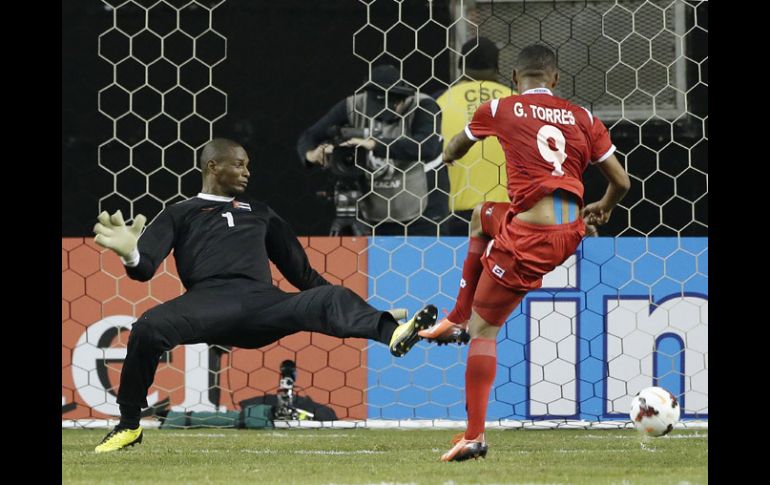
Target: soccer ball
{"x": 654, "y": 411}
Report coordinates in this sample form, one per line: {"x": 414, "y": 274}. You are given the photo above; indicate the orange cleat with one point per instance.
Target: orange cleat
{"x": 446, "y": 332}
{"x": 465, "y": 449}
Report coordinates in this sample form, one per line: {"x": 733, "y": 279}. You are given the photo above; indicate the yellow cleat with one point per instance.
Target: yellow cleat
{"x": 117, "y": 439}
{"x": 405, "y": 336}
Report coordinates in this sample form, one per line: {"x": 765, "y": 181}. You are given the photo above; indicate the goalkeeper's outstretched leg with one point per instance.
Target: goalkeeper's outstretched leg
{"x": 405, "y": 336}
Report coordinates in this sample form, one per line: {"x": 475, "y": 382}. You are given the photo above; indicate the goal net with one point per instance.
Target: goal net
{"x": 627, "y": 311}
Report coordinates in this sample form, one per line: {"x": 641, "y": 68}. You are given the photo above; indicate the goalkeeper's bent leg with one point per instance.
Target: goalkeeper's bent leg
{"x": 150, "y": 337}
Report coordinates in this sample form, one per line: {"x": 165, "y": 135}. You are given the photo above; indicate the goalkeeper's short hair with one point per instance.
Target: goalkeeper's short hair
{"x": 216, "y": 148}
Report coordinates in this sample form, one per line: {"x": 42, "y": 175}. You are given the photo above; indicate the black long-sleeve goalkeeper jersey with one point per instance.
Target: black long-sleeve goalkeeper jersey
{"x": 218, "y": 238}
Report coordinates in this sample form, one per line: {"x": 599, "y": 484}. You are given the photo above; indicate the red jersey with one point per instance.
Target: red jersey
{"x": 548, "y": 143}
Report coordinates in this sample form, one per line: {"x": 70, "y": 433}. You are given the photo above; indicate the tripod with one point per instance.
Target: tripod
{"x": 344, "y": 226}
{"x": 346, "y": 194}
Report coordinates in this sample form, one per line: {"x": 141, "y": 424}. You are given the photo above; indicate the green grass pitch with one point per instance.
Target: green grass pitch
{"x": 367, "y": 456}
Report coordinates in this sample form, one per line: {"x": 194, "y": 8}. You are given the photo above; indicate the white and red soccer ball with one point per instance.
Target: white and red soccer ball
{"x": 654, "y": 411}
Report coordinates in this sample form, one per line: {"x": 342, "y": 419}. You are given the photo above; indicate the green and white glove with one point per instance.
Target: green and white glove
{"x": 112, "y": 233}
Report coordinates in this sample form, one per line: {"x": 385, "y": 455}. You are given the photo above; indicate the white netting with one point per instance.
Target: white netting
{"x": 626, "y": 313}
{"x": 641, "y": 304}
{"x": 162, "y": 101}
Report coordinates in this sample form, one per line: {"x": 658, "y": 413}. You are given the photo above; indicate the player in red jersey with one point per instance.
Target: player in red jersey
{"x": 548, "y": 142}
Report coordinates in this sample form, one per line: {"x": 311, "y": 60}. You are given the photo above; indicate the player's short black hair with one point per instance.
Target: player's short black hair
{"x": 536, "y": 61}
{"x": 216, "y": 148}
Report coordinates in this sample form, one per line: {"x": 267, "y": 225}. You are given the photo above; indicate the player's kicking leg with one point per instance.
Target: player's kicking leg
{"x": 445, "y": 332}
{"x": 485, "y": 222}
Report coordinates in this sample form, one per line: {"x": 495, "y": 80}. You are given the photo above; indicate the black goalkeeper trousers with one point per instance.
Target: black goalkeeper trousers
{"x": 240, "y": 314}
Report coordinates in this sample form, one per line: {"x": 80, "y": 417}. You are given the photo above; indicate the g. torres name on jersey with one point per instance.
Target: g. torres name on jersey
{"x": 551, "y": 115}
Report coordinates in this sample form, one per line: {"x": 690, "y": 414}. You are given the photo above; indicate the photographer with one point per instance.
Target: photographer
{"x": 375, "y": 143}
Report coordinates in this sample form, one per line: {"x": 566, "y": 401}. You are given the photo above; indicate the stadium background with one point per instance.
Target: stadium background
{"x": 660, "y": 257}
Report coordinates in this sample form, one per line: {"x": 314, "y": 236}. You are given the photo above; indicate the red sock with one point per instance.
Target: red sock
{"x": 471, "y": 274}
{"x": 479, "y": 377}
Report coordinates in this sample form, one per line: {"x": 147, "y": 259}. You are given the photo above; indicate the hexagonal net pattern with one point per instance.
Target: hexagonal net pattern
{"x": 625, "y": 312}
{"x": 642, "y": 67}
{"x": 162, "y": 100}
{"x": 622, "y": 314}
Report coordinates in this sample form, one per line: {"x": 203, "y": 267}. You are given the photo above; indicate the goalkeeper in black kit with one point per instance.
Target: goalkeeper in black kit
{"x": 222, "y": 242}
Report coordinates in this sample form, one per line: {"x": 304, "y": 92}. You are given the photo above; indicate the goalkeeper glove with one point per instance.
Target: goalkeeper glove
{"x": 112, "y": 233}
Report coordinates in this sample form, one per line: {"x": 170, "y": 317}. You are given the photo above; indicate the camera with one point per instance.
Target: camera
{"x": 346, "y": 162}
{"x": 285, "y": 408}
{"x": 348, "y": 166}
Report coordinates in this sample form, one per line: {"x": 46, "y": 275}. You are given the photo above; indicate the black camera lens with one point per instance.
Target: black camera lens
{"x": 343, "y": 162}
{"x": 289, "y": 369}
